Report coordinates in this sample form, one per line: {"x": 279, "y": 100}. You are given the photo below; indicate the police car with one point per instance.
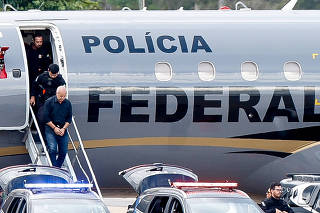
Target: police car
{"x": 296, "y": 179}
{"x": 166, "y": 188}
{"x": 36, "y": 188}
{"x": 53, "y": 198}
{"x": 289, "y": 185}
{"x": 307, "y": 196}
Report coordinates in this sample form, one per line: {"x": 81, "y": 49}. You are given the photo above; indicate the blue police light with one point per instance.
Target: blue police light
{"x": 60, "y": 186}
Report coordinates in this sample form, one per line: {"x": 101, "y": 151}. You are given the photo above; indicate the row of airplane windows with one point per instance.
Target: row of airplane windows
{"x": 249, "y": 71}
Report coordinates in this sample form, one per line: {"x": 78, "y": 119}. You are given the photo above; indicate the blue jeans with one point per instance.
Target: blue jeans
{"x": 55, "y": 141}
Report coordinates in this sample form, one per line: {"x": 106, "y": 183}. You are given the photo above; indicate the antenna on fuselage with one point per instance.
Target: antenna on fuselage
{"x": 10, "y": 6}
{"x": 244, "y": 7}
{"x": 290, "y": 5}
{"x": 126, "y": 8}
{"x": 142, "y": 4}
{"x": 41, "y": 5}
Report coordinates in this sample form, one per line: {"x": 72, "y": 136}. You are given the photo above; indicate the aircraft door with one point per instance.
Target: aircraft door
{"x": 14, "y": 89}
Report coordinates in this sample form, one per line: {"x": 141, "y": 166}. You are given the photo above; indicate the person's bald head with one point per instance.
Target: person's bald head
{"x": 61, "y": 94}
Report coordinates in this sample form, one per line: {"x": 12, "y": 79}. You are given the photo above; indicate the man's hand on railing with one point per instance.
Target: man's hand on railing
{"x": 32, "y": 101}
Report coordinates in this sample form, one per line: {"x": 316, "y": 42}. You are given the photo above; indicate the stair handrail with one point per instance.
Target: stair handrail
{"x": 86, "y": 157}
{"x": 40, "y": 136}
{"x": 76, "y": 156}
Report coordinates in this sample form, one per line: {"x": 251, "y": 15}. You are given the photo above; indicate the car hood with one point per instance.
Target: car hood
{"x": 9, "y": 173}
{"x": 147, "y": 176}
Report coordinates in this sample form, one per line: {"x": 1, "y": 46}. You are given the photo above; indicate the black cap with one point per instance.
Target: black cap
{"x": 53, "y": 68}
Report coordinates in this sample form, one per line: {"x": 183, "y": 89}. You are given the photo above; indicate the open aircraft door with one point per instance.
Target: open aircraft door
{"x": 14, "y": 86}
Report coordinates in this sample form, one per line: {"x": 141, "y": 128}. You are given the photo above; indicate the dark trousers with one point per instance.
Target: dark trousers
{"x": 55, "y": 141}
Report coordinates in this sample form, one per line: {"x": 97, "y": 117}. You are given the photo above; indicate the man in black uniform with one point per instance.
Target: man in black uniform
{"x": 39, "y": 57}
{"x": 274, "y": 204}
{"x": 44, "y": 87}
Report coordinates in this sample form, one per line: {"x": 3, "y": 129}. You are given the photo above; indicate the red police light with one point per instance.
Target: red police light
{"x": 225, "y": 8}
{"x": 4, "y": 49}
{"x": 203, "y": 185}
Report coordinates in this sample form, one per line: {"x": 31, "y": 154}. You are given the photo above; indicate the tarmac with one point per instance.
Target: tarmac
{"x": 117, "y": 200}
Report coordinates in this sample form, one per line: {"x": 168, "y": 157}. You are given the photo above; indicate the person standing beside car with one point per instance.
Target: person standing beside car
{"x": 275, "y": 204}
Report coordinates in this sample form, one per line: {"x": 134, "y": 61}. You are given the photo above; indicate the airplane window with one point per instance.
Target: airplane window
{"x": 292, "y": 71}
{"x": 249, "y": 71}
{"x": 206, "y": 71}
{"x": 163, "y": 71}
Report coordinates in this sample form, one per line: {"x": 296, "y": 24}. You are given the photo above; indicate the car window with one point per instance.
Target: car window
{"x": 158, "y": 204}
{"x": 175, "y": 206}
{"x": 7, "y": 203}
{"x": 144, "y": 203}
{"x": 317, "y": 203}
{"x": 14, "y": 205}
{"x": 307, "y": 194}
{"x": 21, "y": 208}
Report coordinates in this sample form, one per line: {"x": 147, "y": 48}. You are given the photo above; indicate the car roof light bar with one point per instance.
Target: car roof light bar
{"x": 52, "y": 186}
{"x": 203, "y": 185}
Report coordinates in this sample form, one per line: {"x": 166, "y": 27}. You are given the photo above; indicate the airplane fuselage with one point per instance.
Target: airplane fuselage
{"x": 237, "y": 95}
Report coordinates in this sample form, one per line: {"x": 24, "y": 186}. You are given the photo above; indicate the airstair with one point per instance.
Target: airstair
{"x": 76, "y": 157}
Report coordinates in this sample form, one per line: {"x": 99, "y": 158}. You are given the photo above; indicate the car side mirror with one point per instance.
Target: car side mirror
{"x": 130, "y": 209}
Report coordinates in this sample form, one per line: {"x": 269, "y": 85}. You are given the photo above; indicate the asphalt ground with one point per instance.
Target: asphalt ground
{"x": 118, "y": 200}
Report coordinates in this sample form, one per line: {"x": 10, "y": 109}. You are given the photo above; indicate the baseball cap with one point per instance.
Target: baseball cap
{"x": 53, "y": 68}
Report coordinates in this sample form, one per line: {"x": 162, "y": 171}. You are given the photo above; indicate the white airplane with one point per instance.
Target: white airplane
{"x": 231, "y": 94}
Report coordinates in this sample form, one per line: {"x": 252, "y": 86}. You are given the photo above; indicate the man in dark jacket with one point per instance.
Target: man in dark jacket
{"x": 274, "y": 204}
{"x": 45, "y": 85}
{"x": 58, "y": 117}
{"x": 43, "y": 88}
{"x": 39, "y": 57}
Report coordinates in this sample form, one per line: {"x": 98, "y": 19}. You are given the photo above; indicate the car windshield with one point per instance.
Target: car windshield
{"x": 222, "y": 205}
{"x": 68, "y": 206}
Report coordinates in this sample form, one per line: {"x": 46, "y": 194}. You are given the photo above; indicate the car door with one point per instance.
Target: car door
{"x": 316, "y": 206}
{"x": 14, "y": 90}
{"x": 148, "y": 176}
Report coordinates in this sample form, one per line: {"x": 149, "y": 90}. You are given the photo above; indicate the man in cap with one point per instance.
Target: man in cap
{"x": 44, "y": 87}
